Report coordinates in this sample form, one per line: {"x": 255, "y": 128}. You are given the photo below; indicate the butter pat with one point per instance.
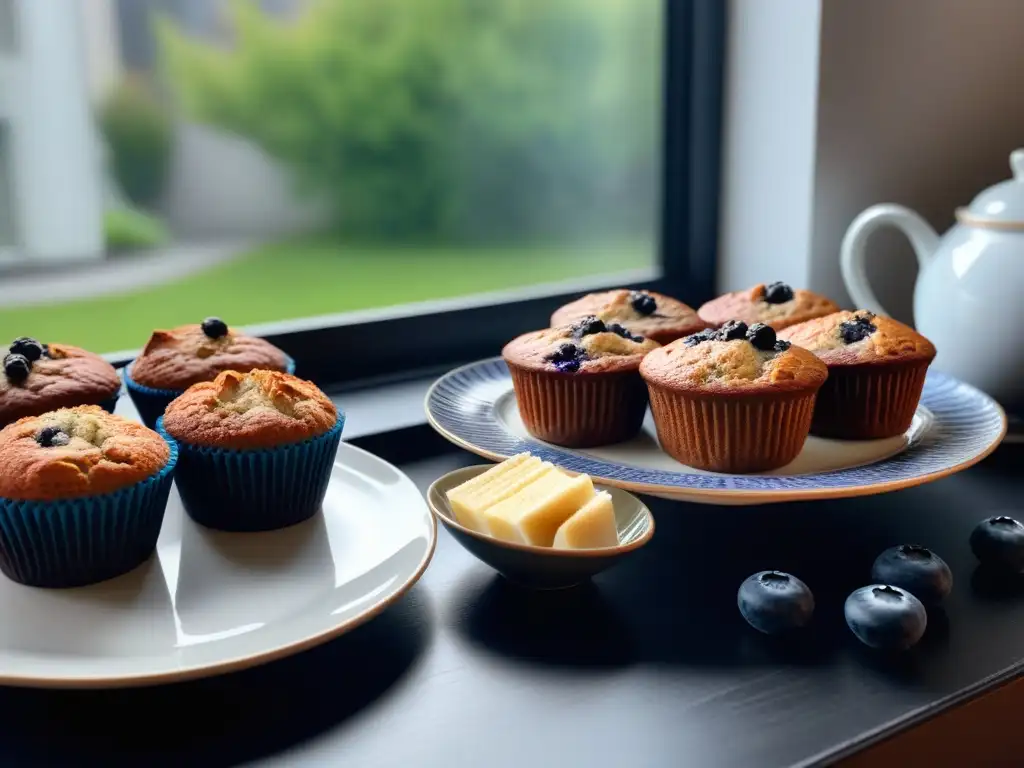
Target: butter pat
{"x": 469, "y": 500}
{"x": 592, "y": 527}
{"x": 534, "y": 514}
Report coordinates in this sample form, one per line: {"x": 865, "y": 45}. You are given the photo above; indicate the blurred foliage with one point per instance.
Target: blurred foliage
{"x": 127, "y": 229}
{"x": 461, "y": 119}
{"x": 138, "y": 133}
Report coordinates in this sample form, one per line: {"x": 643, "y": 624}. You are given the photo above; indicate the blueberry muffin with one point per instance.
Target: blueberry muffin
{"x": 43, "y": 377}
{"x": 645, "y": 313}
{"x": 578, "y": 385}
{"x": 174, "y": 360}
{"x": 82, "y": 496}
{"x": 256, "y": 449}
{"x": 775, "y": 304}
{"x": 876, "y": 372}
{"x": 734, "y": 399}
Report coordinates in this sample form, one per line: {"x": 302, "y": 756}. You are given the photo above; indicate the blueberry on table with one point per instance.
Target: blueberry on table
{"x": 998, "y": 542}
{"x": 49, "y": 437}
{"x": 642, "y": 303}
{"x": 28, "y": 347}
{"x": 732, "y": 330}
{"x": 773, "y": 602}
{"x": 777, "y": 293}
{"x": 885, "y": 617}
{"x": 762, "y": 337}
{"x": 214, "y": 327}
{"x": 17, "y": 367}
{"x": 916, "y": 569}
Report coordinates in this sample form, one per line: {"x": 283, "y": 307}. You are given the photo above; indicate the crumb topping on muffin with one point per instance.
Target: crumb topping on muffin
{"x": 776, "y": 304}
{"x": 256, "y": 409}
{"x": 179, "y": 358}
{"x": 845, "y": 338}
{"x": 589, "y": 345}
{"x": 72, "y": 452}
{"x": 642, "y": 312}
{"x": 733, "y": 358}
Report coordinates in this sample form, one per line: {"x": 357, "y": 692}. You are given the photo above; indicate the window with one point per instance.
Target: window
{"x": 7, "y": 233}
{"x": 8, "y": 32}
{"x": 377, "y": 184}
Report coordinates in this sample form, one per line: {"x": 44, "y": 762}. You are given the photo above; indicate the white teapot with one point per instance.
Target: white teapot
{"x": 969, "y": 297}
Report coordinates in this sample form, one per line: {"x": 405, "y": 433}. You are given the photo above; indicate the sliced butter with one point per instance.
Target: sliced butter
{"x": 469, "y": 510}
{"x": 592, "y": 527}
{"x": 534, "y": 514}
{"x": 491, "y": 475}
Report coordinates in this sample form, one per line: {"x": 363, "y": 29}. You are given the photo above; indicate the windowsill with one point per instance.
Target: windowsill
{"x": 384, "y": 407}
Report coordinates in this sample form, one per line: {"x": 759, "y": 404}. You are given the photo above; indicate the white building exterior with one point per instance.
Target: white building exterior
{"x": 51, "y": 173}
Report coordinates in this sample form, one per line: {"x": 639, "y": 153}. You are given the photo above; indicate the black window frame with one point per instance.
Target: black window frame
{"x": 358, "y": 349}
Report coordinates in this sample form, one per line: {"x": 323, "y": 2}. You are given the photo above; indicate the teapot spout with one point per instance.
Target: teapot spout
{"x": 923, "y": 238}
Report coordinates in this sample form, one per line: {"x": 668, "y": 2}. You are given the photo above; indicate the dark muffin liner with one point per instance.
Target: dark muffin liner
{"x": 110, "y": 404}
{"x": 580, "y": 410}
{"x": 869, "y": 402}
{"x": 151, "y": 403}
{"x": 733, "y": 433}
{"x": 74, "y": 542}
{"x": 255, "y": 490}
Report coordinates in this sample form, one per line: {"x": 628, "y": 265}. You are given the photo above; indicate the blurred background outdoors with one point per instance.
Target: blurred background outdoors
{"x": 165, "y": 160}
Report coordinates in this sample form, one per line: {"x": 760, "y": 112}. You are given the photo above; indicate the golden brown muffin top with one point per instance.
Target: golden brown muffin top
{"x": 855, "y": 338}
{"x": 646, "y": 313}
{"x": 74, "y": 452}
{"x": 589, "y": 346}
{"x": 184, "y": 356}
{"x": 775, "y": 304}
{"x": 734, "y": 360}
{"x": 257, "y": 409}
{"x": 60, "y": 377}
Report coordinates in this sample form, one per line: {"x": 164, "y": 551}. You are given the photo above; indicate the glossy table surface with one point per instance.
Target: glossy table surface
{"x": 651, "y": 665}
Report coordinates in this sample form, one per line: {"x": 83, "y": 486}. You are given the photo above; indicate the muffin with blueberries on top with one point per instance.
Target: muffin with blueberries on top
{"x": 645, "y": 313}
{"x": 174, "y": 360}
{"x": 876, "y": 372}
{"x": 82, "y": 496}
{"x": 577, "y": 385}
{"x": 776, "y": 305}
{"x": 256, "y": 449}
{"x": 735, "y": 399}
{"x": 43, "y": 377}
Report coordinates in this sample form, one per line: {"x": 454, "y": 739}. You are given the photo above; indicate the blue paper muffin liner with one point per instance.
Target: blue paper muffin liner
{"x": 255, "y": 490}
{"x": 110, "y": 404}
{"x": 151, "y": 403}
{"x": 74, "y": 542}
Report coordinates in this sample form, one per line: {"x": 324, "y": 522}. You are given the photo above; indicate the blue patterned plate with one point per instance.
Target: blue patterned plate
{"x": 956, "y": 426}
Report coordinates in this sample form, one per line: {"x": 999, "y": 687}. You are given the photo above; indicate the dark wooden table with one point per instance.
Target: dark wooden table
{"x": 649, "y": 666}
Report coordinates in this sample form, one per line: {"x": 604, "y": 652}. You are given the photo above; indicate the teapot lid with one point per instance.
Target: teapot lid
{"x": 1001, "y": 206}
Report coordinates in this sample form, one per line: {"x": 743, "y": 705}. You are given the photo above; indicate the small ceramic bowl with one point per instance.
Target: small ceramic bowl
{"x": 544, "y": 567}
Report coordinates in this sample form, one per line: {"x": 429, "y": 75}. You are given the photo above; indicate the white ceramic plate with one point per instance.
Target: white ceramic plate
{"x": 213, "y": 602}
{"x": 955, "y": 427}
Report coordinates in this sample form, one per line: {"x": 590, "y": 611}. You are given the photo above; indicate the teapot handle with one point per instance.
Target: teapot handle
{"x": 852, "y": 253}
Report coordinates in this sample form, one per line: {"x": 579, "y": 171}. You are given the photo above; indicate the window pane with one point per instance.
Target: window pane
{"x": 278, "y": 159}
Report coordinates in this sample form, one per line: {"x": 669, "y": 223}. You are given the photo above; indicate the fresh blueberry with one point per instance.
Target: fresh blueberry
{"x": 587, "y": 326}
{"x": 708, "y": 334}
{"x": 50, "y": 437}
{"x": 621, "y": 330}
{"x": 916, "y": 569}
{"x": 732, "y": 330}
{"x": 998, "y": 542}
{"x": 773, "y": 602}
{"x": 567, "y": 358}
{"x": 17, "y": 367}
{"x": 781, "y": 345}
{"x": 642, "y": 303}
{"x": 762, "y": 336}
{"x": 214, "y": 327}
{"x": 859, "y": 328}
{"x": 28, "y": 347}
{"x": 777, "y": 293}
{"x": 885, "y": 617}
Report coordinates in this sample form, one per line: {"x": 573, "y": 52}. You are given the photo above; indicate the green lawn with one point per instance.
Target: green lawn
{"x": 315, "y": 277}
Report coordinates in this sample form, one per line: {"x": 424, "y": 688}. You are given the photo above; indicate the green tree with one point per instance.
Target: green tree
{"x": 474, "y": 119}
